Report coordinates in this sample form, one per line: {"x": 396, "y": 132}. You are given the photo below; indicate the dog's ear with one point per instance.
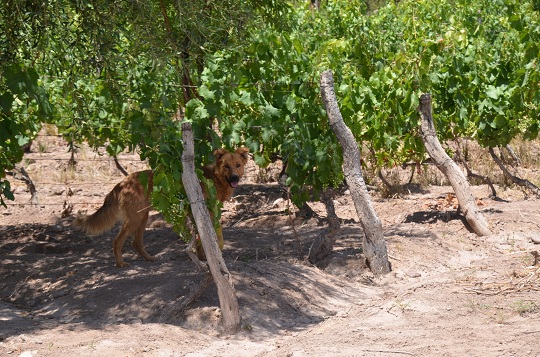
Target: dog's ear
{"x": 243, "y": 152}
{"x": 218, "y": 154}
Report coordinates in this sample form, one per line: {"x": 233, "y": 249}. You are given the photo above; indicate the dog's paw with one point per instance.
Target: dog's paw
{"x": 122, "y": 265}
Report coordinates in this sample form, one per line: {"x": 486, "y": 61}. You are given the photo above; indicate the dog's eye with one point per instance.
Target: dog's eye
{"x": 227, "y": 166}
{"x": 237, "y": 165}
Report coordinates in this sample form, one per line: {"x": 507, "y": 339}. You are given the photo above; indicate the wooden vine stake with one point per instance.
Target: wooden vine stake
{"x": 227, "y": 295}
{"x": 450, "y": 169}
{"x": 374, "y": 245}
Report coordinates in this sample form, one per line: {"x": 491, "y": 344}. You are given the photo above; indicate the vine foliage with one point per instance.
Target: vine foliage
{"x": 113, "y": 75}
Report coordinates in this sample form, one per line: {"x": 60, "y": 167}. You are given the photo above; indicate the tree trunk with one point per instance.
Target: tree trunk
{"x": 226, "y": 292}
{"x": 450, "y": 169}
{"x": 374, "y": 245}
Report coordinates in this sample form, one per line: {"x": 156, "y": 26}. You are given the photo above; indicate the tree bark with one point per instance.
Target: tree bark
{"x": 227, "y": 295}
{"x": 450, "y": 169}
{"x": 374, "y": 245}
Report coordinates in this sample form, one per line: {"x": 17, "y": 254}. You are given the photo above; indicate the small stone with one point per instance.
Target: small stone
{"x": 413, "y": 274}
{"x": 277, "y": 202}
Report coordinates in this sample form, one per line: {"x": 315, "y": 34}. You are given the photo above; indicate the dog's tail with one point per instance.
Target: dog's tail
{"x": 104, "y": 218}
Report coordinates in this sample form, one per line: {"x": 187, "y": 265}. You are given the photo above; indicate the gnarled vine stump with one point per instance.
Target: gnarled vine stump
{"x": 373, "y": 244}
{"x": 450, "y": 169}
{"x": 227, "y": 295}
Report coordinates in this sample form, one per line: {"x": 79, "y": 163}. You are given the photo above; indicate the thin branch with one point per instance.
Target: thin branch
{"x": 472, "y": 174}
{"x": 388, "y": 351}
{"x": 513, "y": 154}
{"x": 29, "y": 183}
{"x": 413, "y": 170}
{"x": 529, "y": 220}
{"x": 517, "y": 180}
{"x": 120, "y": 167}
{"x": 383, "y": 179}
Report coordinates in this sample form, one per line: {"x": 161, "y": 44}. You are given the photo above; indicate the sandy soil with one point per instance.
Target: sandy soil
{"x": 450, "y": 293}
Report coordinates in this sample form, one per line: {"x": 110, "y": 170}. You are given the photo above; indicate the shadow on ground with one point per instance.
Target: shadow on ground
{"x": 53, "y": 275}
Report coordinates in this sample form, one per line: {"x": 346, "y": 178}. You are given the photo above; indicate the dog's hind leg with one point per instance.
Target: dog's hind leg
{"x": 138, "y": 240}
{"x": 118, "y": 243}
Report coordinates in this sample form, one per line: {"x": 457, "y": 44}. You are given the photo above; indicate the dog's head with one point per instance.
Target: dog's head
{"x": 230, "y": 165}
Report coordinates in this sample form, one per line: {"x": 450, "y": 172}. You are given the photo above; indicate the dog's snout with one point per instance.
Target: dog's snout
{"x": 233, "y": 180}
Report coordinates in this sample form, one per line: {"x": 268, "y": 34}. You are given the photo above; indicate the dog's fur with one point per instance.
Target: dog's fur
{"x": 129, "y": 201}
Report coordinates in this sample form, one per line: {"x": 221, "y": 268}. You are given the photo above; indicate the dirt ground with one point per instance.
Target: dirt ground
{"x": 450, "y": 293}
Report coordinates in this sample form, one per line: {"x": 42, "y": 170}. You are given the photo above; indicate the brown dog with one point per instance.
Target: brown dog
{"x": 129, "y": 201}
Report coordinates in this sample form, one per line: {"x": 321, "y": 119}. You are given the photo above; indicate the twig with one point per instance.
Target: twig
{"x": 413, "y": 170}
{"x": 120, "y": 167}
{"x": 388, "y": 351}
{"x": 23, "y": 176}
{"x": 389, "y": 186}
{"x": 20, "y": 286}
{"x": 144, "y": 209}
{"x": 480, "y": 292}
{"x": 528, "y": 219}
{"x": 513, "y": 154}
{"x": 238, "y": 221}
{"x": 394, "y": 258}
{"x": 525, "y": 283}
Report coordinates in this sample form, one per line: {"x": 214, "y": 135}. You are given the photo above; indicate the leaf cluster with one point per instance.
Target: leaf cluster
{"x": 112, "y": 74}
{"x": 478, "y": 59}
{"x": 115, "y": 74}
{"x": 265, "y": 95}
